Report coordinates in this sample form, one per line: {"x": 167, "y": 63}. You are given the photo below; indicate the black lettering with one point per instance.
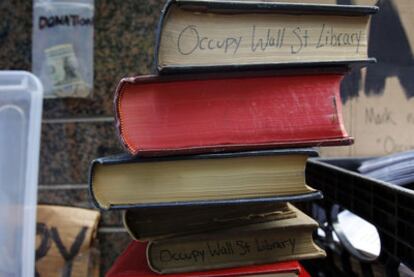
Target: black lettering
{"x": 295, "y": 32}
{"x": 238, "y": 41}
{"x": 358, "y": 39}
{"x": 275, "y": 42}
{"x": 346, "y": 39}
{"x": 165, "y": 255}
{"x": 333, "y": 36}
{"x": 76, "y": 20}
{"x": 68, "y": 256}
{"x": 283, "y": 37}
{"x": 379, "y": 118}
{"x": 232, "y": 42}
{"x": 244, "y": 247}
{"x": 201, "y": 43}
{"x": 293, "y": 245}
{"x": 192, "y": 29}
{"x": 271, "y": 41}
{"x": 209, "y": 44}
{"x": 267, "y": 39}
{"x": 196, "y": 254}
{"x": 338, "y": 38}
{"x": 42, "y": 22}
{"x": 389, "y": 145}
{"x": 305, "y": 37}
{"x": 319, "y": 45}
{"x": 213, "y": 252}
{"x": 45, "y": 243}
{"x": 63, "y": 20}
{"x": 221, "y": 45}
{"x": 254, "y": 45}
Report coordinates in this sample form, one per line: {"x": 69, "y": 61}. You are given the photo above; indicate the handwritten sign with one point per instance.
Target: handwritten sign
{"x": 381, "y": 125}
{"x": 63, "y": 241}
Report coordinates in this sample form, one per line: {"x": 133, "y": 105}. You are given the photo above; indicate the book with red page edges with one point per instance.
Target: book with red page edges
{"x": 133, "y": 263}
{"x": 158, "y": 115}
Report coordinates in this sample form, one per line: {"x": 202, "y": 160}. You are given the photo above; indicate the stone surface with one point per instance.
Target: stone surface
{"x": 123, "y": 46}
{"x": 111, "y": 246}
{"x": 15, "y": 34}
{"x": 67, "y": 150}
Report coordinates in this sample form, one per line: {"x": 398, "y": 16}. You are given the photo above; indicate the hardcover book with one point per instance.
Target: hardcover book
{"x": 268, "y": 242}
{"x": 149, "y": 224}
{"x": 165, "y": 116}
{"x": 133, "y": 263}
{"x": 218, "y": 35}
{"x": 227, "y": 178}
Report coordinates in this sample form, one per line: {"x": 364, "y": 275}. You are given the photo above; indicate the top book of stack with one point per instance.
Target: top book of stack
{"x": 203, "y": 35}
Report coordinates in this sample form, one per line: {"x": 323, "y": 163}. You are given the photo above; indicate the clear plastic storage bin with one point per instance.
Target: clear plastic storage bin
{"x": 20, "y": 119}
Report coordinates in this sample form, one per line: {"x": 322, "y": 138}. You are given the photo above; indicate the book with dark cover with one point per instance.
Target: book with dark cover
{"x": 155, "y": 223}
{"x": 133, "y": 263}
{"x": 123, "y": 181}
{"x": 165, "y": 116}
{"x": 199, "y": 35}
{"x": 261, "y": 243}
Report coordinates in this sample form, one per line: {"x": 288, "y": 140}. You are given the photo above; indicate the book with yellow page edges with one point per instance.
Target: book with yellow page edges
{"x": 122, "y": 181}
{"x": 262, "y": 243}
{"x": 146, "y": 224}
{"x": 203, "y": 35}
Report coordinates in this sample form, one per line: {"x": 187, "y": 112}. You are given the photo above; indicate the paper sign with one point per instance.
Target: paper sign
{"x": 63, "y": 241}
{"x": 379, "y": 101}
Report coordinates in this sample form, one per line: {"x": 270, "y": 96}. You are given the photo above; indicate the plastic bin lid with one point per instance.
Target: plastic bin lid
{"x": 20, "y": 119}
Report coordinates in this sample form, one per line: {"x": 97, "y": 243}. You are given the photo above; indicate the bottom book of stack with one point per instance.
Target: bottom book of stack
{"x": 255, "y": 247}
{"x": 132, "y": 263}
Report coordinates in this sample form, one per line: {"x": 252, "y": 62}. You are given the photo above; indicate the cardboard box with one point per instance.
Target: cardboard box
{"x": 379, "y": 100}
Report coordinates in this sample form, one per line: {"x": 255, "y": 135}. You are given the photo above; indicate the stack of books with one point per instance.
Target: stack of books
{"x": 216, "y": 139}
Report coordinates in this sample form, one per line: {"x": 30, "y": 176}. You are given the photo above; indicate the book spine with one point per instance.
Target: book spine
{"x": 92, "y": 195}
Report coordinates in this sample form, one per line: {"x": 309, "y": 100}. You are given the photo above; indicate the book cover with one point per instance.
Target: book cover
{"x": 122, "y": 181}
{"x": 166, "y": 116}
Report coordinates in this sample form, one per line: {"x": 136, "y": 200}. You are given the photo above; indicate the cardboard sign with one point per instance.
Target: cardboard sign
{"x": 63, "y": 241}
{"x": 379, "y": 100}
